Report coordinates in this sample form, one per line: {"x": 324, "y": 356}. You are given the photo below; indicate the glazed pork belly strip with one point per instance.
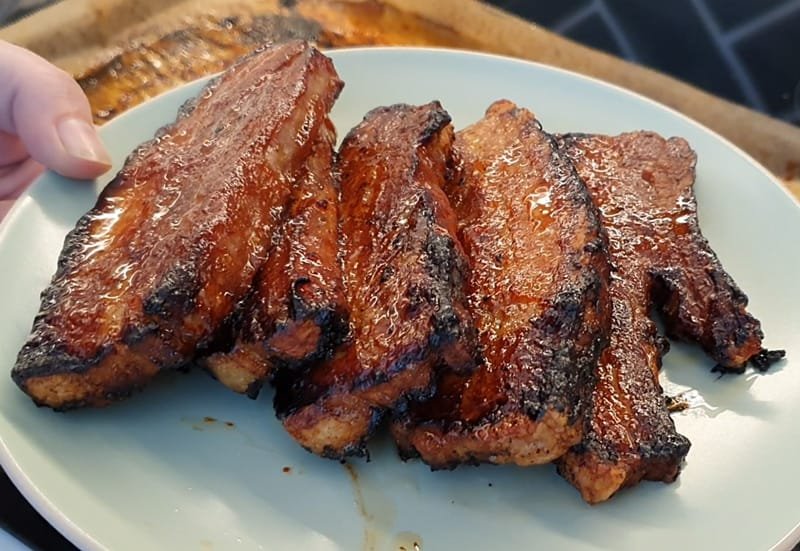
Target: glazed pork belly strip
{"x": 296, "y": 312}
{"x": 149, "y": 274}
{"x": 404, "y": 271}
{"x": 538, "y": 293}
{"x": 643, "y": 186}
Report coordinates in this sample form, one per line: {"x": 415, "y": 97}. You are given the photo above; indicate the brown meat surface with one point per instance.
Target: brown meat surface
{"x": 149, "y": 274}
{"x": 538, "y": 294}
{"x": 643, "y": 185}
{"x": 296, "y": 311}
{"x": 403, "y": 271}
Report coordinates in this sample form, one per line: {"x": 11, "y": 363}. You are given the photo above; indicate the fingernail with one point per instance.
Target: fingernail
{"x": 80, "y": 140}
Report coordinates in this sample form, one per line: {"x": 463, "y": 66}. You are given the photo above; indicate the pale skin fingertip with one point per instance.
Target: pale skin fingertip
{"x": 48, "y": 111}
{"x": 81, "y": 142}
{"x": 87, "y": 170}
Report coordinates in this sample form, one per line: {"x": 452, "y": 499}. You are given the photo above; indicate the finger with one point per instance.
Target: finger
{"x": 46, "y": 108}
{"x": 12, "y": 151}
{"x": 14, "y": 179}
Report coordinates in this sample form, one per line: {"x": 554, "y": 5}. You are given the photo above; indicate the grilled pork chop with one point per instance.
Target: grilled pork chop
{"x": 403, "y": 271}
{"x": 538, "y": 294}
{"x": 296, "y": 311}
{"x": 642, "y": 184}
{"x": 174, "y": 241}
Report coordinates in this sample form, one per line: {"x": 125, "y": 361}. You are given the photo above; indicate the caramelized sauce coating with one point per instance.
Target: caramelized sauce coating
{"x": 403, "y": 271}
{"x": 538, "y": 293}
{"x": 643, "y": 185}
{"x": 296, "y": 311}
{"x": 147, "y": 277}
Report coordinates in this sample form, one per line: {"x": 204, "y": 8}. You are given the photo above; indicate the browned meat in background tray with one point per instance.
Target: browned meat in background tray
{"x": 174, "y": 241}
{"x": 204, "y": 45}
{"x": 403, "y": 271}
{"x": 538, "y": 294}
{"x": 642, "y": 184}
{"x": 296, "y": 311}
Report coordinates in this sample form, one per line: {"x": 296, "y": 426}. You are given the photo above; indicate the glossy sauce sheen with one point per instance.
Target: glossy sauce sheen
{"x": 537, "y": 292}
{"x": 642, "y": 184}
{"x": 403, "y": 271}
{"x": 173, "y": 243}
{"x": 296, "y": 311}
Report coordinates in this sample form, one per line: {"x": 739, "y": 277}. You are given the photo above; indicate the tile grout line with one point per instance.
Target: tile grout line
{"x": 761, "y": 22}
{"x": 574, "y": 19}
{"x": 619, "y": 35}
{"x": 725, "y": 49}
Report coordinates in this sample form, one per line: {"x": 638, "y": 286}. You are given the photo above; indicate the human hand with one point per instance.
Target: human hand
{"x": 45, "y": 121}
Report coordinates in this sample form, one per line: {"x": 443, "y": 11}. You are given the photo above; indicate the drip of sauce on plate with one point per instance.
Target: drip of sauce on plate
{"x": 378, "y": 512}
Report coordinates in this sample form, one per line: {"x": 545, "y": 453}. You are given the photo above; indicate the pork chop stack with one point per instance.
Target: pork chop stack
{"x": 489, "y": 290}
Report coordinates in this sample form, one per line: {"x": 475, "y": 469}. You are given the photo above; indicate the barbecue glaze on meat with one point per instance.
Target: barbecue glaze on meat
{"x": 642, "y": 184}
{"x": 296, "y": 311}
{"x": 403, "y": 269}
{"x": 538, "y": 294}
{"x": 149, "y": 274}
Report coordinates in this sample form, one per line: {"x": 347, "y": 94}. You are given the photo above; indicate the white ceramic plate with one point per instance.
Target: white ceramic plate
{"x": 157, "y": 472}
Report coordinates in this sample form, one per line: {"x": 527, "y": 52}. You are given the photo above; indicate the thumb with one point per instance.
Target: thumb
{"x": 48, "y": 111}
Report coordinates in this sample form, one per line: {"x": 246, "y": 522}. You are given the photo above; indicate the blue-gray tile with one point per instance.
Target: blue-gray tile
{"x": 593, "y": 31}
{"x": 773, "y": 59}
{"x": 730, "y": 13}
{"x": 670, "y": 37}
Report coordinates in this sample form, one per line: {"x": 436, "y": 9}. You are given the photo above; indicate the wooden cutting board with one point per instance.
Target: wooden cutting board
{"x": 79, "y": 34}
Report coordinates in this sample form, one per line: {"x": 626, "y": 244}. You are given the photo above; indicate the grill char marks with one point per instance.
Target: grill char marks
{"x": 404, "y": 272}
{"x": 148, "y": 276}
{"x": 296, "y": 312}
{"x": 538, "y": 294}
{"x": 642, "y": 184}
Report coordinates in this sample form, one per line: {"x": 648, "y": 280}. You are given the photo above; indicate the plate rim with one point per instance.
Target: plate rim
{"x": 80, "y": 537}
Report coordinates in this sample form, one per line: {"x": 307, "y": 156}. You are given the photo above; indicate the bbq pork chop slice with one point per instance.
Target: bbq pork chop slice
{"x": 149, "y": 274}
{"x": 296, "y": 312}
{"x": 404, "y": 276}
{"x": 538, "y": 293}
{"x": 643, "y": 186}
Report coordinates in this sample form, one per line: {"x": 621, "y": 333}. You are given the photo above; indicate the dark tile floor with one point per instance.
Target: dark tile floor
{"x": 744, "y": 50}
